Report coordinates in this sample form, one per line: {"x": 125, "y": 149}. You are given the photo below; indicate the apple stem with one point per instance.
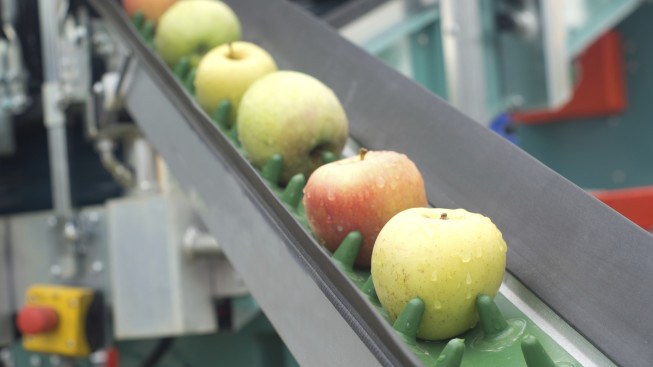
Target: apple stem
{"x": 362, "y": 153}
{"x": 443, "y": 216}
{"x": 231, "y": 51}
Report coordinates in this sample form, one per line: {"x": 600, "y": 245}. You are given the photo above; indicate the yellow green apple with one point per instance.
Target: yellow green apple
{"x": 295, "y": 115}
{"x": 227, "y": 71}
{"x": 444, "y": 256}
{"x": 361, "y": 193}
{"x": 192, "y": 28}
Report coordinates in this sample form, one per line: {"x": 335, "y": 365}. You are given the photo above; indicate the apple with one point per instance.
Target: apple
{"x": 361, "y": 193}
{"x": 227, "y": 71}
{"x": 444, "y": 256}
{"x": 152, "y": 9}
{"x": 295, "y": 115}
{"x": 192, "y": 28}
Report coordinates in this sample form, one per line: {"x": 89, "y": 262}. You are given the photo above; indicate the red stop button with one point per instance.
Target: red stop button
{"x": 36, "y": 319}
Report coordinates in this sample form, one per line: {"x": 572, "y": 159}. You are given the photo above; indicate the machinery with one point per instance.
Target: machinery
{"x": 158, "y": 228}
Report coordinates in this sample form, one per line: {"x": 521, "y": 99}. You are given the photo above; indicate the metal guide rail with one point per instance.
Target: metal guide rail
{"x": 555, "y": 231}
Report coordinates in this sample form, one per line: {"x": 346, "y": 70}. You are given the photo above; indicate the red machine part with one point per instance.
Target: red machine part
{"x": 37, "y": 319}
{"x": 601, "y": 88}
{"x": 635, "y": 203}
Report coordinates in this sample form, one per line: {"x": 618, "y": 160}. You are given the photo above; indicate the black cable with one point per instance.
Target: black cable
{"x": 158, "y": 352}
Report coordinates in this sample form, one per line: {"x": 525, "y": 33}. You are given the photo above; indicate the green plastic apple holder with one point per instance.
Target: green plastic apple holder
{"x": 503, "y": 339}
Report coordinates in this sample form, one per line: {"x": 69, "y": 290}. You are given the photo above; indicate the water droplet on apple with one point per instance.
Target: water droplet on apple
{"x": 307, "y": 194}
{"x": 434, "y": 276}
{"x": 437, "y": 305}
{"x": 408, "y": 325}
{"x": 331, "y": 195}
{"x": 466, "y": 257}
{"x": 393, "y": 184}
{"x": 479, "y": 252}
{"x": 339, "y": 228}
{"x": 429, "y": 234}
{"x": 380, "y": 182}
{"x": 502, "y": 247}
{"x": 329, "y": 220}
{"x": 468, "y": 295}
{"x": 469, "y": 279}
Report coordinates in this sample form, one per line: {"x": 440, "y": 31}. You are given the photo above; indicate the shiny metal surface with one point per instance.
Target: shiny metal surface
{"x": 35, "y": 253}
{"x": 157, "y": 290}
{"x": 464, "y": 58}
{"x": 557, "y": 59}
{"x": 141, "y": 157}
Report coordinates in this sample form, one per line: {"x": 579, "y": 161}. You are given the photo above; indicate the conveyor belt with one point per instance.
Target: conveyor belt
{"x": 587, "y": 262}
{"x": 261, "y": 238}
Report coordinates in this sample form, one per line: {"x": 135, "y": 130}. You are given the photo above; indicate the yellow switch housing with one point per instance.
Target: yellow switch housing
{"x": 71, "y": 305}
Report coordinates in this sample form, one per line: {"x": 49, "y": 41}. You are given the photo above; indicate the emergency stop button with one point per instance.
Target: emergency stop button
{"x": 33, "y": 320}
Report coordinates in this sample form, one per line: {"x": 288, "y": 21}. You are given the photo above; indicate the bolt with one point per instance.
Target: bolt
{"x": 145, "y": 186}
{"x": 56, "y": 270}
{"x": 55, "y": 360}
{"x": 34, "y": 360}
{"x": 98, "y": 88}
{"x": 98, "y": 358}
{"x": 93, "y": 217}
{"x": 515, "y": 101}
{"x": 52, "y": 221}
{"x": 70, "y": 232}
{"x": 97, "y": 266}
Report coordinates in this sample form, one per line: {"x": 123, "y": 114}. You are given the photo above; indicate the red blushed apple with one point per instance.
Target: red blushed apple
{"x": 152, "y": 9}
{"x": 361, "y": 193}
